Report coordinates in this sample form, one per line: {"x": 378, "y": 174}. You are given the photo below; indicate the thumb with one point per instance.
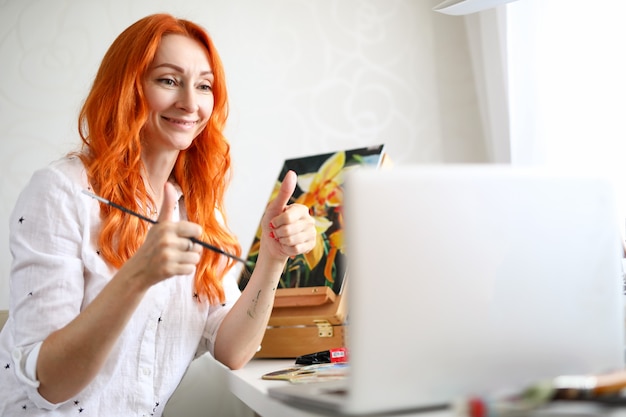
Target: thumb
{"x": 169, "y": 203}
{"x": 285, "y": 192}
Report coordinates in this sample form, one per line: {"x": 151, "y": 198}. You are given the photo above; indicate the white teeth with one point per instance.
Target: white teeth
{"x": 181, "y": 122}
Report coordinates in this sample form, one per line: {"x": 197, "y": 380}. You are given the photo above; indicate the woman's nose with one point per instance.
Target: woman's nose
{"x": 188, "y": 100}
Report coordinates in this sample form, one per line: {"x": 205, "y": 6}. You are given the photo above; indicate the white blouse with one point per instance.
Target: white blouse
{"x": 57, "y": 271}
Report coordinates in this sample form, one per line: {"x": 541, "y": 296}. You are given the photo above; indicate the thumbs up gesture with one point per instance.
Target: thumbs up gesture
{"x": 288, "y": 229}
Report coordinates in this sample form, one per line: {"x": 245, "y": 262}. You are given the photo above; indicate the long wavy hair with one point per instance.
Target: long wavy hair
{"x": 110, "y": 125}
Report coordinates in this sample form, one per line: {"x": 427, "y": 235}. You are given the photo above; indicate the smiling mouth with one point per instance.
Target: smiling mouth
{"x": 185, "y": 123}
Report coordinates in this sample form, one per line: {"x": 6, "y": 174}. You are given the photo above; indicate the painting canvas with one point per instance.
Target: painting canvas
{"x": 320, "y": 187}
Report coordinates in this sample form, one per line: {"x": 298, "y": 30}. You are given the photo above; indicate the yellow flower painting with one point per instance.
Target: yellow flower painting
{"x": 320, "y": 188}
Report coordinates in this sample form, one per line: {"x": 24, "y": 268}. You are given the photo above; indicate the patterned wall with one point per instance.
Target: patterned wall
{"x": 305, "y": 76}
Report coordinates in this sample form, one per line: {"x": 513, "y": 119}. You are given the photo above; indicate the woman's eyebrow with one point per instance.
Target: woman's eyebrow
{"x": 180, "y": 69}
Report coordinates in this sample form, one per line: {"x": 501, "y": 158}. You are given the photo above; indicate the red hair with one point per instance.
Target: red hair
{"x": 110, "y": 124}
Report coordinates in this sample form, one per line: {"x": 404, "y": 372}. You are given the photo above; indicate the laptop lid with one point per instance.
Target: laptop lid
{"x": 470, "y": 279}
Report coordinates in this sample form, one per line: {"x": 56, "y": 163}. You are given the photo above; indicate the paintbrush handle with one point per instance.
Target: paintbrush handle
{"x": 142, "y": 217}
{"x": 589, "y": 386}
{"x": 134, "y": 213}
{"x": 610, "y": 383}
{"x": 218, "y": 250}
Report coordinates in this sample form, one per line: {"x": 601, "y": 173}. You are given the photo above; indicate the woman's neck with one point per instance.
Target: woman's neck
{"x": 157, "y": 171}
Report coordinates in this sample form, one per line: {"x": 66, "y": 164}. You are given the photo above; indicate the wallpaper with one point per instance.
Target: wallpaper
{"x": 304, "y": 76}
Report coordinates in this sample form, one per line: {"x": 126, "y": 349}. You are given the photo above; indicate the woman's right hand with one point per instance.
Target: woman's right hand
{"x": 167, "y": 250}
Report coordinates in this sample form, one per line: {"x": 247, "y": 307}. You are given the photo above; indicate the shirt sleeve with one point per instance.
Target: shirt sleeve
{"x": 47, "y": 284}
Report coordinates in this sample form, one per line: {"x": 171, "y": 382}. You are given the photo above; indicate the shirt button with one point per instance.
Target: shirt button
{"x": 146, "y": 371}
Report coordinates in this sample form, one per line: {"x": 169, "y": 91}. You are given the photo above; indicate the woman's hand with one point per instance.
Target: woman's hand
{"x": 288, "y": 230}
{"x": 167, "y": 250}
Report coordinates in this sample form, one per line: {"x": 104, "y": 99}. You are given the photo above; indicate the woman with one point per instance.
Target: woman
{"x": 107, "y": 310}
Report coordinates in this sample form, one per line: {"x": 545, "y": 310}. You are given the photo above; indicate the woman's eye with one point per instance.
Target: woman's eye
{"x": 167, "y": 81}
{"x": 205, "y": 87}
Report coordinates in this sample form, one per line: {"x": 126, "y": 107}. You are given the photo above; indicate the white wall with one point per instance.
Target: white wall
{"x": 305, "y": 77}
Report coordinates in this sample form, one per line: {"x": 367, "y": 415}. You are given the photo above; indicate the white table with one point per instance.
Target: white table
{"x": 248, "y": 386}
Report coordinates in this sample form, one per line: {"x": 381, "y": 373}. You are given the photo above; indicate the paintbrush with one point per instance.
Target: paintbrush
{"x": 605, "y": 389}
{"x": 193, "y": 239}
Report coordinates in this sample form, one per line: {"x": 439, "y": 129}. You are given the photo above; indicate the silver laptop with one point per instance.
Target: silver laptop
{"x": 470, "y": 279}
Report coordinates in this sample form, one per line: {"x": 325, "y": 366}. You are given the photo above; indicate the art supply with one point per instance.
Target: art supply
{"x": 142, "y": 217}
{"x": 603, "y": 389}
{"x": 336, "y": 355}
{"x": 310, "y": 373}
{"x": 589, "y": 386}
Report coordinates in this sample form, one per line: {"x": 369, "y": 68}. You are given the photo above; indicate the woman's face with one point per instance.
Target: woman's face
{"x": 178, "y": 89}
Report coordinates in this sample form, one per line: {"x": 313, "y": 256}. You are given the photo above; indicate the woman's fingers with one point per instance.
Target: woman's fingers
{"x": 294, "y": 229}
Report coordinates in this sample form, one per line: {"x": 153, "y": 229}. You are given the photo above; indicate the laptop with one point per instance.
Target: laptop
{"x": 471, "y": 279}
